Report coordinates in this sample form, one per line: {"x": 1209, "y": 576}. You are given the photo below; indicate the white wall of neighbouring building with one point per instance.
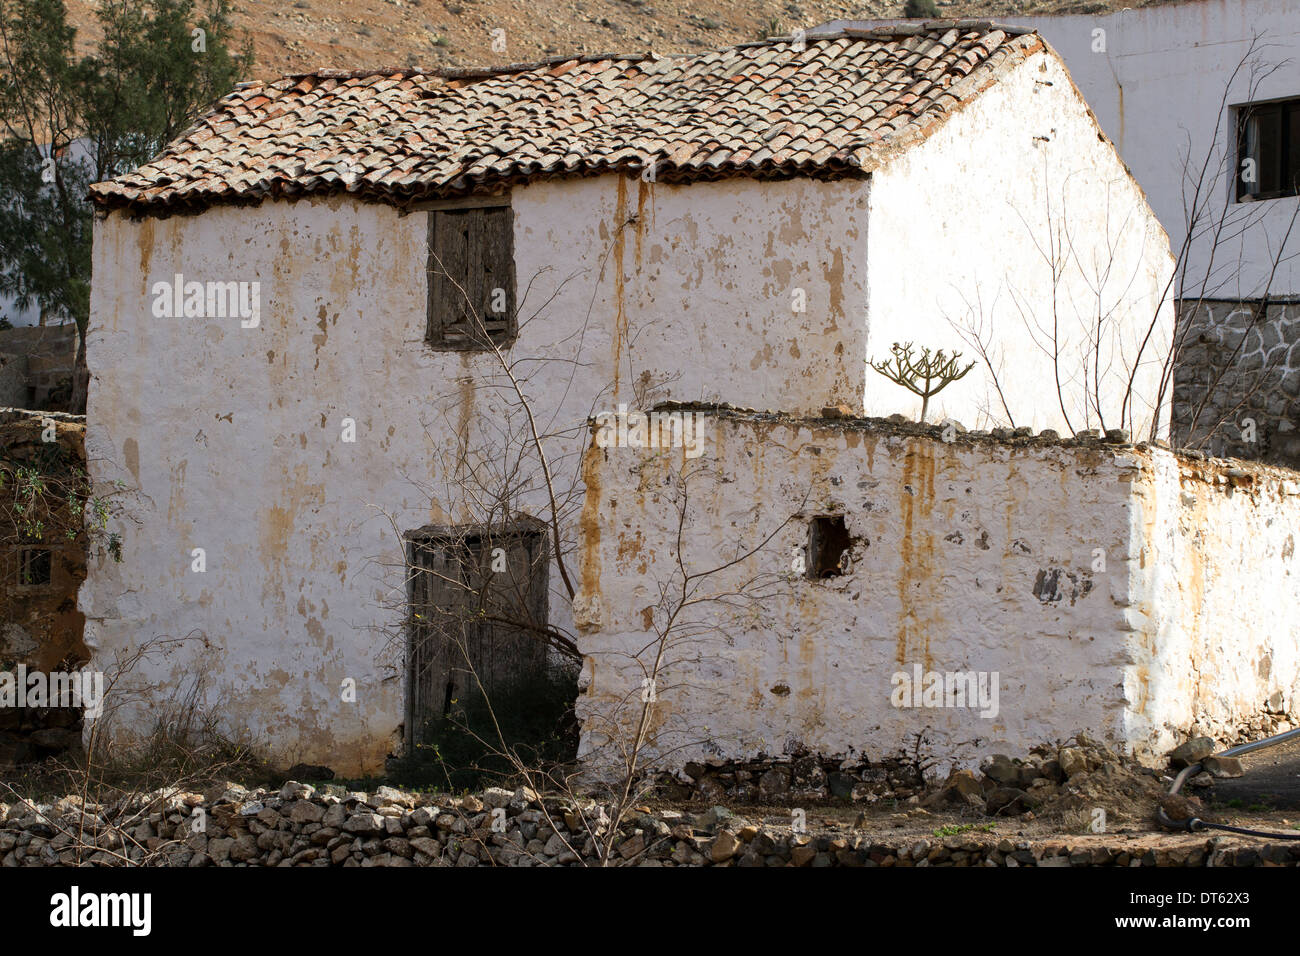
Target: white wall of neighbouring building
{"x": 1162, "y": 87}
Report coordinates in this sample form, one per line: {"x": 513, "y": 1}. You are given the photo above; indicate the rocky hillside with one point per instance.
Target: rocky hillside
{"x": 296, "y": 35}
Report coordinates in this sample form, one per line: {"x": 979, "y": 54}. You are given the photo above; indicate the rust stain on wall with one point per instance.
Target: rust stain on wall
{"x": 323, "y": 323}
{"x": 916, "y": 549}
{"x": 144, "y": 239}
{"x": 467, "y": 410}
{"x": 620, "y": 309}
{"x": 589, "y": 523}
{"x": 630, "y": 547}
{"x": 176, "y": 499}
{"x": 835, "y": 284}
{"x": 278, "y": 523}
{"x": 643, "y": 194}
{"x": 131, "y": 452}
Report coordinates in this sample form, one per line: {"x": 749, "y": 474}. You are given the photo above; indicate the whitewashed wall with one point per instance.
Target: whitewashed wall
{"x": 1078, "y": 574}
{"x": 228, "y": 439}
{"x": 1160, "y": 89}
{"x": 1015, "y": 189}
{"x": 1216, "y": 638}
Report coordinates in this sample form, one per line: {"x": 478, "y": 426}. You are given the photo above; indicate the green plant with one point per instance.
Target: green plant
{"x": 49, "y": 498}
{"x": 952, "y": 829}
{"x": 771, "y": 27}
{"x": 531, "y": 718}
{"x": 925, "y": 375}
{"x": 920, "y": 9}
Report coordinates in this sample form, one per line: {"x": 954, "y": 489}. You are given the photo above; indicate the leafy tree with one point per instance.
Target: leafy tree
{"x": 68, "y": 120}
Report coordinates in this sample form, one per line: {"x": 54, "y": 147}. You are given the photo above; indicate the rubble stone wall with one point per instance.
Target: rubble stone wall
{"x": 1237, "y": 381}
{"x": 40, "y": 626}
{"x": 39, "y": 370}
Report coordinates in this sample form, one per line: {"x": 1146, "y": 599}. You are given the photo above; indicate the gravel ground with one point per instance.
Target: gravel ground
{"x": 1272, "y": 780}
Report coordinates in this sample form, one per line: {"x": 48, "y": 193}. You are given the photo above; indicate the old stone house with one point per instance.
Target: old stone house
{"x": 334, "y": 323}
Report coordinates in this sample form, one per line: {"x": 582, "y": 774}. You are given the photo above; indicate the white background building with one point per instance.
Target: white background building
{"x": 1161, "y": 82}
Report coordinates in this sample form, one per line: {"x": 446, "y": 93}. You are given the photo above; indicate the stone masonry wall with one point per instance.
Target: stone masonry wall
{"x": 1261, "y": 384}
{"x": 37, "y": 365}
{"x": 13, "y": 379}
{"x": 40, "y": 626}
{"x": 302, "y": 826}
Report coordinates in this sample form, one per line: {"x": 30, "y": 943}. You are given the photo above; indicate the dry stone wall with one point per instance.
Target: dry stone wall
{"x": 301, "y": 826}
{"x": 796, "y": 813}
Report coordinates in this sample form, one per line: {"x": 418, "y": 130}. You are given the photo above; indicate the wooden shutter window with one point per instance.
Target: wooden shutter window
{"x": 471, "y": 277}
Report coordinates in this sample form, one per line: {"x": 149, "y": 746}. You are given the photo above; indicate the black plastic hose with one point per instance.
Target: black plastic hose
{"x": 1196, "y": 824}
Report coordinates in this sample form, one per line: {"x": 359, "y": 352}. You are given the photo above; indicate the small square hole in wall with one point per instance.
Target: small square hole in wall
{"x": 828, "y": 546}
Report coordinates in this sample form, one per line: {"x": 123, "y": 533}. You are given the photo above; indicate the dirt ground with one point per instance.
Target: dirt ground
{"x": 1266, "y": 798}
{"x": 1272, "y": 782}
{"x": 892, "y": 827}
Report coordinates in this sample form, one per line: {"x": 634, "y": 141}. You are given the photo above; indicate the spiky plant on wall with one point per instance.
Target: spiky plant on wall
{"x": 924, "y": 375}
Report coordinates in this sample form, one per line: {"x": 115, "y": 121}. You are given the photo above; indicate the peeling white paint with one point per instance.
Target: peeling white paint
{"x": 1214, "y": 593}
{"x": 228, "y": 438}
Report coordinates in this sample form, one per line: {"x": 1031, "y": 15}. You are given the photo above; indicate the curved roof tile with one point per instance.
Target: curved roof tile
{"x": 828, "y": 107}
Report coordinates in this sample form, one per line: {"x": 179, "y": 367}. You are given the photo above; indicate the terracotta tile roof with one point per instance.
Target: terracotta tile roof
{"x": 838, "y": 107}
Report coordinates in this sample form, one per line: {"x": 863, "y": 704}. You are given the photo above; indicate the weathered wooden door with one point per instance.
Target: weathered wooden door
{"x": 477, "y": 605}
